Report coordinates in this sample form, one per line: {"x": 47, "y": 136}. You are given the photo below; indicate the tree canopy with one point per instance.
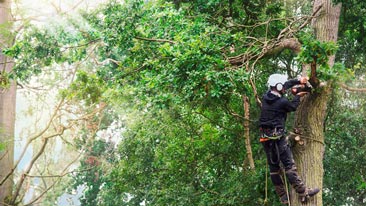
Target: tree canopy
{"x": 176, "y": 74}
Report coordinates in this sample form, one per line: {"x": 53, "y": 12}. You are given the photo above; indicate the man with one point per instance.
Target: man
{"x": 272, "y": 127}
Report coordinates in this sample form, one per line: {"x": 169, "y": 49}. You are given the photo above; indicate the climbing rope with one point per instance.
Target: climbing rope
{"x": 286, "y": 186}
{"x": 265, "y": 201}
{"x": 266, "y": 190}
{"x": 306, "y": 137}
{"x": 315, "y": 140}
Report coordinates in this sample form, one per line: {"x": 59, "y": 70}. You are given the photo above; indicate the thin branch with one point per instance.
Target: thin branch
{"x": 156, "y": 40}
{"x": 81, "y": 45}
{"x": 352, "y": 89}
{"x": 22, "y": 178}
{"x": 60, "y": 175}
{"x": 285, "y": 40}
{"x": 30, "y": 140}
{"x": 54, "y": 183}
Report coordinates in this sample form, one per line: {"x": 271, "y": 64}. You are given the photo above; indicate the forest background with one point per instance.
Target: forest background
{"x": 156, "y": 102}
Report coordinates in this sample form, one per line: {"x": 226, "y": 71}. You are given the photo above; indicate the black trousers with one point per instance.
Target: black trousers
{"x": 279, "y": 151}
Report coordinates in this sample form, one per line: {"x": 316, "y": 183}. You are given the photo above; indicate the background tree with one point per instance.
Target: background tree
{"x": 27, "y": 183}
{"x": 7, "y": 104}
{"x": 344, "y": 149}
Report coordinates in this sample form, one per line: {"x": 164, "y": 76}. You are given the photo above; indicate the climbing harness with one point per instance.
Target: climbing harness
{"x": 270, "y": 134}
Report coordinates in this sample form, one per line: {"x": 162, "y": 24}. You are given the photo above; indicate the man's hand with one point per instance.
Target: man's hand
{"x": 301, "y": 94}
{"x": 303, "y": 80}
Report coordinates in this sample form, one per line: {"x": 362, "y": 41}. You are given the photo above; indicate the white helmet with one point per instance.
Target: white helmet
{"x": 277, "y": 80}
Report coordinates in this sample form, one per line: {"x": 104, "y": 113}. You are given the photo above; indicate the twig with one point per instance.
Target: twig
{"x": 156, "y": 40}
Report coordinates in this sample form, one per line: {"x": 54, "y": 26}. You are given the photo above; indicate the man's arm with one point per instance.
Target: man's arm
{"x": 292, "y": 105}
{"x": 292, "y": 82}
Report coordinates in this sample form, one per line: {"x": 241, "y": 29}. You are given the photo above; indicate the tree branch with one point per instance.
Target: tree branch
{"x": 284, "y": 40}
{"x": 54, "y": 183}
{"x": 352, "y": 89}
{"x": 156, "y": 40}
{"x": 22, "y": 178}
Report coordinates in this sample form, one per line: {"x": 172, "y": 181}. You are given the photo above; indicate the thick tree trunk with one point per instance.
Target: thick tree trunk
{"x": 309, "y": 155}
{"x": 310, "y": 116}
{"x": 7, "y": 110}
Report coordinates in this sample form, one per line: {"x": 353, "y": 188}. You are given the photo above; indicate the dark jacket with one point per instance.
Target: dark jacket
{"x": 275, "y": 108}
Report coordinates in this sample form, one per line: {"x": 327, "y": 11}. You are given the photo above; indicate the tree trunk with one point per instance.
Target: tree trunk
{"x": 310, "y": 115}
{"x": 7, "y": 109}
{"x": 248, "y": 146}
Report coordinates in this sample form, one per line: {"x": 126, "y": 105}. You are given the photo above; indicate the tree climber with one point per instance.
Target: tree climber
{"x": 272, "y": 128}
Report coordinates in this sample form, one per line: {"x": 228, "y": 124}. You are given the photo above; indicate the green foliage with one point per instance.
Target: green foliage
{"x": 94, "y": 163}
{"x": 40, "y": 48}
{"x": 2, "y": 146}
{"x": 186, "y": 161}
{"x": 315, "y": 51}
{"x": 87, "y": 87}
{"x": 336, "y": 73}
{"x": 351, "y": 38}
{"x": 184, "y": 144}
{"x": 178, "y": 60}
{"x": 344, "y": 179}
{"x": 4, "y": 80}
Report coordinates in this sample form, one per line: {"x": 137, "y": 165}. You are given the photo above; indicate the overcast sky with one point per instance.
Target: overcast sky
{"x": 40, "y": 10}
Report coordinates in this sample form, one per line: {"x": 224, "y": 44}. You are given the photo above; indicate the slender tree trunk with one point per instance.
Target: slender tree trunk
{"x": 7, "y": 108}
{"x": 310, "y": 115}
{"x": 247, "y": 132}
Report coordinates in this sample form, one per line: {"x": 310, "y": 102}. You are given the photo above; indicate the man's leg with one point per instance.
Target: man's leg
{"x": 291, "y": 171}
{"x": 275, "y": 171}
{"x": 280, "y": 188}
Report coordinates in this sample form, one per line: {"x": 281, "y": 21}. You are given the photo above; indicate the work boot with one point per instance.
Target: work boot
{"x": 309, "y": 192}
{"x": 281, "y": 192}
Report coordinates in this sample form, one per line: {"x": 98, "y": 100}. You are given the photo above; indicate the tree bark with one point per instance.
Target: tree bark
{"x": 7, "y": 108}
{"x": 310, "y": 115}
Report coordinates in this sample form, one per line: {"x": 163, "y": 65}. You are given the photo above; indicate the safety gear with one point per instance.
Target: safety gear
{"x": 277, "y": 81}
{"x": 270, "y": 134}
